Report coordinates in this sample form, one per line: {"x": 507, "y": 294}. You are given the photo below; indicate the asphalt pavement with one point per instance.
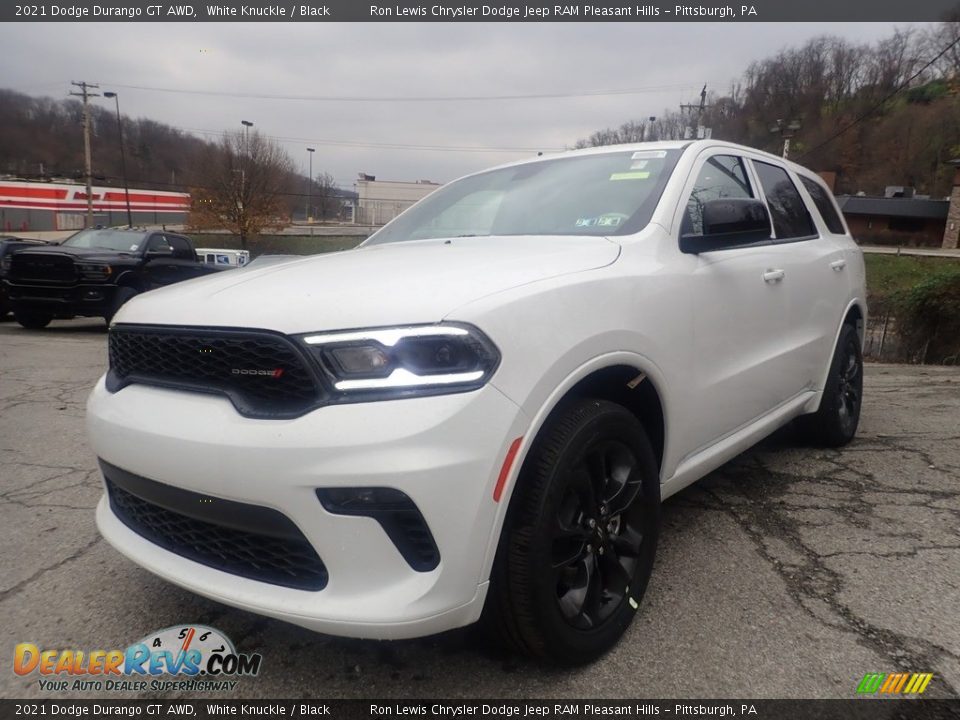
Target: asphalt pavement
{"x": 789, "y": 572}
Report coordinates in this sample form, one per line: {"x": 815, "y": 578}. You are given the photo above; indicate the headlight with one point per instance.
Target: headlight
{"x": 404, "y": 361}
{"x": 94, "y": 271}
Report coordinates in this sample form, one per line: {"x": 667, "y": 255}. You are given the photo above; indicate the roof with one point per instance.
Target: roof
{"x": 653, "y": 145}
{"x": 894, "y": 207}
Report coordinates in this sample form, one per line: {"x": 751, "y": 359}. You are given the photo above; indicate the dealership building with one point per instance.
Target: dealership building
{"x": 43, "y": 206}
{"x": 380, "y": 201}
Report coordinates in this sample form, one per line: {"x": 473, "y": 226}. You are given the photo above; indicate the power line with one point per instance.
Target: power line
{"x": 398, "y": 98}
{"x": 384, "y": 146}
{"x": 882, "y": 101}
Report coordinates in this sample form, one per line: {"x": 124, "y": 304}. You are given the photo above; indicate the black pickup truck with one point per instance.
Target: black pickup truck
{"x": 94, "y": 272}
{"x": 10, "y": 245}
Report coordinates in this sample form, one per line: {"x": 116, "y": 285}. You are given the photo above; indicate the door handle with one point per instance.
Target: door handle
{"x": 838, "y": 265}
{"x": 773, "y": 275}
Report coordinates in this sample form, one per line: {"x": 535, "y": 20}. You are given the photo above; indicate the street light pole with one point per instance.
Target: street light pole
{"x": 310, "y": 152}
{"x": 123, "y": 156}
{"x": 786, "y": 129}
{"x": 243, "y": 162}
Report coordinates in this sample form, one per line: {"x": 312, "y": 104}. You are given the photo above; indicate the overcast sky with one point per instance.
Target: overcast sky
{"x": 670, "y": 62}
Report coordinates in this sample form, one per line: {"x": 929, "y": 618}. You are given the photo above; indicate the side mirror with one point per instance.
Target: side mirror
{"x": 729, "y": 223}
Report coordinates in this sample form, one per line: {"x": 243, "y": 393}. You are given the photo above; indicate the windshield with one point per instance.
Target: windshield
{"x": 608, "y": 194}
{"x": 108, "y": 239}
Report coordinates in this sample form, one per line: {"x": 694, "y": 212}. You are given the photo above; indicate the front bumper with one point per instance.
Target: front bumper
{"x": 86, "y": 299}
{"x": 444, "y": 452}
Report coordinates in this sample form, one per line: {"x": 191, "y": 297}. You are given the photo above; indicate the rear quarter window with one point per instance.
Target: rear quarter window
{"x": 791, "y": 219}
{"x": 824, "y": 205}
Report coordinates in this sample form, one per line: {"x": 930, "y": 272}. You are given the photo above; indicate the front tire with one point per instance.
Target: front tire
{"x": 580, "y": 536}
{"x": 835, "y": 422}
{"x": 33, "y": 319}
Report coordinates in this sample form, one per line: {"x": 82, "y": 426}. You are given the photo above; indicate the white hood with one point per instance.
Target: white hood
{"x": 397, "y": 283}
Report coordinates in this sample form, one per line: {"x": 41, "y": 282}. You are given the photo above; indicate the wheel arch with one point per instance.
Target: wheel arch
{"x": 630, "y": 387}
{"x": 625, "y": 378}
{"x": 607, "y": 377}
{"x": 856, "y": 315}
{"x": 131, "y": 279}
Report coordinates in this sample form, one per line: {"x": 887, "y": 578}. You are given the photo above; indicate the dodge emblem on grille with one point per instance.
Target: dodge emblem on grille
{"x": 275, "y": 373}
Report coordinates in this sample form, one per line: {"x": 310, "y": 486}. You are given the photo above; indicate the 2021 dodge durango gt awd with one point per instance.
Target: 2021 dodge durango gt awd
{"x": 476, "y": 414}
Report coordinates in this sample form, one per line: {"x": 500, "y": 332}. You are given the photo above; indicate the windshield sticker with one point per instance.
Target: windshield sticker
{"x": 638, "y": 164}
{"x": 649, "y": 155}
{"x": 609, "y": 220}
{"x": 586, "y": 222}
{"x": 134, "y": 247}
{"x": 633, "y": 175}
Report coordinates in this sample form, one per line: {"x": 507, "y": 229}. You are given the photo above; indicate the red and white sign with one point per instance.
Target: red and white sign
{"x": 73, "y": 198}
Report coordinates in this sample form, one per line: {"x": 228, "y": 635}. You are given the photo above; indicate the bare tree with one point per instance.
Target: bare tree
{"x": 940, "y": 36}
{"x": 630, "y": 132}
{"x": 239, "y": 185}
{"x": 326, "y": 196}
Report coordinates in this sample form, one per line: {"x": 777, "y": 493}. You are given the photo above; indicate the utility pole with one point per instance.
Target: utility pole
{"x": 699, "y": 131}
{"x": 86, "y": 95}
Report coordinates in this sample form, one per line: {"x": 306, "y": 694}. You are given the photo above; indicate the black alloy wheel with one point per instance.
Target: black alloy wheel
{"x": 579, "y": 539}
{"x": 850, "y": 385}
{"x": 598, "y": 534}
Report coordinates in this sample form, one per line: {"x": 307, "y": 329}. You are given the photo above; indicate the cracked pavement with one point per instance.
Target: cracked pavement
{"x": 789, "y": 572}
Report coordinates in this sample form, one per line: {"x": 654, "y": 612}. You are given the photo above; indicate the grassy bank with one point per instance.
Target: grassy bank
{"x": 914, "y": 305}
{"x": 889, "y": 276}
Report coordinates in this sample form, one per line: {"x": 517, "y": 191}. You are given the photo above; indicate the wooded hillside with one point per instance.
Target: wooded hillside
{"x": 877, "y": 115}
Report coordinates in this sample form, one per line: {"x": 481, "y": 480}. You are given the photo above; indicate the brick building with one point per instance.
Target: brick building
{"x": 901, "y": 221}
{"x": 951, "y": 233}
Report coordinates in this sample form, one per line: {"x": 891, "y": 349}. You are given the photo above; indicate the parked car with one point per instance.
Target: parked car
{"x": 94, "y": 272}
{"x": 7, "y": 246}
{"x": 477, "y": 413}
{"x": 224, "y": 256}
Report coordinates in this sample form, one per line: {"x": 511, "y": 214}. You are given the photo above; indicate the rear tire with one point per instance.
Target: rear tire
{"x": 835, "y": 422}
{"x": 580, "y": 536}
{"x": 33, "y": 319}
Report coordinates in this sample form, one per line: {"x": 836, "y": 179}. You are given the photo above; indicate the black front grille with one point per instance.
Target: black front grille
{"x": 212, "y": 531}
{"x": 42, "y": 267}
{"x": 263, "y": 373}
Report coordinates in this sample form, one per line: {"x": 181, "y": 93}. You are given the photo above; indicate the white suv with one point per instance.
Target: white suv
{"x": 476, "y": 414}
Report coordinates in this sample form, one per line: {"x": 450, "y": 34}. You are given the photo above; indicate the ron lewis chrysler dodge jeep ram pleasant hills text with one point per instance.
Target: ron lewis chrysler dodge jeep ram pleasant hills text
{"x": 476, "y": 414}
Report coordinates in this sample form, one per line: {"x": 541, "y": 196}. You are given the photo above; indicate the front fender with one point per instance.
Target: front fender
{"x": 539, "y": 417}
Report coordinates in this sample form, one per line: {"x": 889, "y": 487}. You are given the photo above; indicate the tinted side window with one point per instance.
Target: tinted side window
{"x": 158, "y": 243}
{"x": 822, "y": 200}
{"x": 180, "y": 247}
{"x": 722, "y": 176}
{"x": 787, "y": 209}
